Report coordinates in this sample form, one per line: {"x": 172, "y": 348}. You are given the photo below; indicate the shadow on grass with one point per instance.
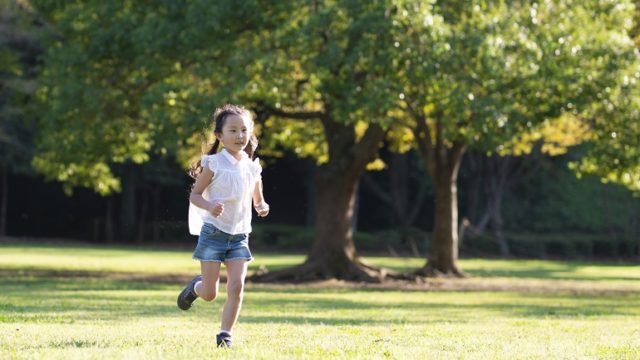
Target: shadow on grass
{"x": 67, "y": 300}
{"x": 555, "y": 270}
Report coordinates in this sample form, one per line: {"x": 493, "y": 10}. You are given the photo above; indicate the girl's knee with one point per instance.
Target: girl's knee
{"x": 209, "y": 295}
{"x": 235, "y": 288}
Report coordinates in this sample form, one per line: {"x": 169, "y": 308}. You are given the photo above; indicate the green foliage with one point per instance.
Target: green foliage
{"x": 117, "y": 86}
{"x": 322, "y": 65}
{"x": 488, "y": 72}
{"x": 496, "y": 69}
{"x": 269, "y": 237}
{"x": 614, "y": 151}
{"x": 125, "y": 80}
{"x": 91, "y": 93}
{"x": 554, "y": 201}
{"x": 556, "y": 245}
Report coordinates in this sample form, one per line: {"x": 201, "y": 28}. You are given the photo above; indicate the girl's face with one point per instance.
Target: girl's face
{"x": 235, "y": 133}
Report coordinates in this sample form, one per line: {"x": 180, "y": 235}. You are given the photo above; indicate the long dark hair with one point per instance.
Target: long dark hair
{"x": 219, "y": 119}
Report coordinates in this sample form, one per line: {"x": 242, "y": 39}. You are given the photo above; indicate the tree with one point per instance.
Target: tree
{"x": 336, "y": 85}
{"x": 614, "y": 153}
{"x": 111, "y": 92}
{"x": 117, "y": 89}
{"x": 114, "y": 88}
{"x": 475, "y": 76}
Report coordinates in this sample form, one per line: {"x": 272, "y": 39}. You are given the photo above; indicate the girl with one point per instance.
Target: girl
{"x": 220, "y": 213}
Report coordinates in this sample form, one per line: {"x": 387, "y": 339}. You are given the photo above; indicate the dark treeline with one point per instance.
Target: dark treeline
{"x": 544, "y": 209}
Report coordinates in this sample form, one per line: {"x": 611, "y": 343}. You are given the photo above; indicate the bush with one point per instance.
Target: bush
{"x": 287, "y": 237}
{"x": 565, "y": 245}
{"x": 571, "y": 245}
{"x": 281, "y": 237}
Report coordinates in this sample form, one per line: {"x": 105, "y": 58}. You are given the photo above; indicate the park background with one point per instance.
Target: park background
{"x": 434, "y": 138}
{"x": 522, "y": 202}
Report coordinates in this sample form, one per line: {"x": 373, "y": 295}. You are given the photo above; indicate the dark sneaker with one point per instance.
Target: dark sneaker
{"x": 188, "y": 294}
{"x": 223, "y": 340}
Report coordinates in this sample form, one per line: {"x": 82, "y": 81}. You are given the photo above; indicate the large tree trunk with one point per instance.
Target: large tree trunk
{"x": 443, "y": 257}
{"x": 333, "y": 254}
{"x": 335, "y": 206}
{"x": 442, "y": 160}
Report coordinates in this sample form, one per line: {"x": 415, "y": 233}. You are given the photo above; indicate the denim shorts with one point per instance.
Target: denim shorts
{"x": 218, "y": 246}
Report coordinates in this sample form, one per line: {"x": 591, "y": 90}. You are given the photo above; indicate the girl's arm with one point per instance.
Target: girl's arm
{"x": 261, "y": 206}
{"x": 202, "y": 181}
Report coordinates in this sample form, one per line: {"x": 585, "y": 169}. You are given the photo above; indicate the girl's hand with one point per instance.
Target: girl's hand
{"x": 262, "y": 208}
{"x": 216, "y": 209}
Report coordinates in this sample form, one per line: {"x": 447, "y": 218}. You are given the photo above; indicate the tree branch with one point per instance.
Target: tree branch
{"x": 364, "y": 151}
{"x": 422, "y": 134}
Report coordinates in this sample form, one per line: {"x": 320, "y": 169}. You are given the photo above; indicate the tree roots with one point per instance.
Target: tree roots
{"x": 352, "y": 271}
{"x": 430, "y": 270}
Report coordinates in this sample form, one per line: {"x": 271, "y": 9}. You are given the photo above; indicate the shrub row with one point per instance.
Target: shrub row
{"x": 570, "y": 245}
{"x": 278, "y": 237}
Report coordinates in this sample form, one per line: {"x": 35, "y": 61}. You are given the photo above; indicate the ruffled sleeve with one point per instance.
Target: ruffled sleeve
{"x": 256, "y": 169}
{"x": 210, "y": 162}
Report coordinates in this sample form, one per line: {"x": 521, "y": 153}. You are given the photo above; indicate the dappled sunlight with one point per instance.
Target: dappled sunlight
{"x": 153, "y": 265}
{"x": 546, "y": 269}
{"x": 93, "y": 312}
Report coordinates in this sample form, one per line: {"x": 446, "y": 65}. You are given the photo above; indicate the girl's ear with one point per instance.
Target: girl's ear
{"x": 218, "y": 135}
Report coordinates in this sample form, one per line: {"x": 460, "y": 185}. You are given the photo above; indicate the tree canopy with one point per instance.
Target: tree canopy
{"x": 484, "y": 74}
{"x": 124, "y": 81}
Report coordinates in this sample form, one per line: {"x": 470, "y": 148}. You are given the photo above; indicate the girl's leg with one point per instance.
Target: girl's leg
{"x": 236, "y": 272}
{"x": 208, "y": 288}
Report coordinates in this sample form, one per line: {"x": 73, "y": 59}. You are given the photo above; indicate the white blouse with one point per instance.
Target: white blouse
{"x": 232, "y": 184}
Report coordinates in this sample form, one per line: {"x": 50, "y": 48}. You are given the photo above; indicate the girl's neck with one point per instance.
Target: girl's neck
{"x": 236, "y": 154}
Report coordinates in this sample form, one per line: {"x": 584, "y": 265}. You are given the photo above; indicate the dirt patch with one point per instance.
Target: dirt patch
{"x": 164, "y": 278}
{"x": 475, "y": 284}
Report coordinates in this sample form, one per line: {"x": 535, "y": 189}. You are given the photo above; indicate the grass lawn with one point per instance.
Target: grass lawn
{"x": 66, "y": 302}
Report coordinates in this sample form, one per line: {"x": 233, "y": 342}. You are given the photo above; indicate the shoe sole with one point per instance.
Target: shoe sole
{"x": 185, "y": 291}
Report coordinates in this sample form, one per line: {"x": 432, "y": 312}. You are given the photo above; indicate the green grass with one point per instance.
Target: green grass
{"x": 544, "y": 310}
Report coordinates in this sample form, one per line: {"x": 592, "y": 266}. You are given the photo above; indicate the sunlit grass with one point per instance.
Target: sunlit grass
{"x": 46, "y": 316}
{"x": 148, "y": 260}
{"x": 65, "y": 318}
{"x": 96, "y": 258}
